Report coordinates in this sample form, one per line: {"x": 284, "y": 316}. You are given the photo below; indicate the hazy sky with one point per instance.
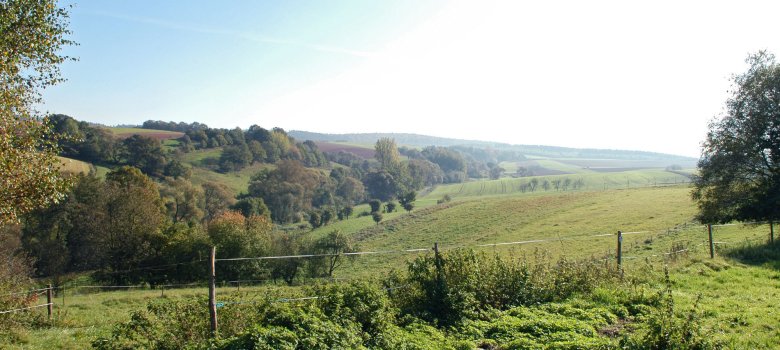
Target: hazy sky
{"x": 621, "y": 75}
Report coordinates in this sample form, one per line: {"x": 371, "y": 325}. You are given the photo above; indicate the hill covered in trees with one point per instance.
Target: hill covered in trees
{"x": 416, "y": 140}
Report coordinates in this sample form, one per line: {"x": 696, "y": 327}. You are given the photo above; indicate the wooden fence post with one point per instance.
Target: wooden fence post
{"x": 48, "y": 300}
{"x": 771, "y": 232}
{"x": 162, "y": 291}
{"x": 619, "y": 249}
{"x": 212, "y": 292}
{"x": 712, "y": 244}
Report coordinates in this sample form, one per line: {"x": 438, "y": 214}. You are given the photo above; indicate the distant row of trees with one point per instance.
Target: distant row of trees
{"x": 95, "y": 144}
{"x": 256, "y": 144}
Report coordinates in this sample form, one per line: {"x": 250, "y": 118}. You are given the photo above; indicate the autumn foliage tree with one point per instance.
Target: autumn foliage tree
{"x": 235, "y": 235}
{"x": 33, "y": 33}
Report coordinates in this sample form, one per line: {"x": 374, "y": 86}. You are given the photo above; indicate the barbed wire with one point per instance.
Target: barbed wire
{"x": 27, "y": 292}
{"x": 411, "y": 250}
{"x": 25, "y": 308}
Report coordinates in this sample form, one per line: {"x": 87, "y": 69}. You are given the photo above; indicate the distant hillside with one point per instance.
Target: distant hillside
{"x": 363, "y": 152}
{"x": 530, "y": 150}
{"x": 124, "y": 132}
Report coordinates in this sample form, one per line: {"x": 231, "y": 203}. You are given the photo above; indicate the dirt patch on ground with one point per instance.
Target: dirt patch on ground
{"x": 614, "y": 330}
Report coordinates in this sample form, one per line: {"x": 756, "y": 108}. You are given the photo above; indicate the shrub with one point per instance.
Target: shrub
{"x": 664, "y": 329}
{"x": 446, "y": 288}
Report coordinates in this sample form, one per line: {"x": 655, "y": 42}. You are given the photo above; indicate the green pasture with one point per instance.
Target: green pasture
{"x": 86, "y": 314}
{"x": 238, "y": 181}
{"x": 561, "y": 166}
{"x": 196, "y": 158}
{"x": 592, "y": 182}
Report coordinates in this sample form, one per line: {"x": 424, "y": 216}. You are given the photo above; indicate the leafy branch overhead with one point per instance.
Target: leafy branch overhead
{"x": 33, "y": 33}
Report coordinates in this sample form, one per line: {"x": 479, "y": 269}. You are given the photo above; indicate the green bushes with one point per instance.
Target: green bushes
{"x": 462, "y": 284}
{"x": 663, "y": 328}
{"x": 459, "y": 300}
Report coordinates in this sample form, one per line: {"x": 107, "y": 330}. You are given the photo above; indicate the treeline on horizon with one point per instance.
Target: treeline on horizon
{"x": 147, "y": 211}
{"x": 536, "y": 150}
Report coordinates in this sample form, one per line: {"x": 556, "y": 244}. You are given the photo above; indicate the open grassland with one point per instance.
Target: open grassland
{"x": 590, "y": 182}
{"x": 565, "y": 223}
{"x": 202, "y": 156}
{"x": 87, "y": 314}
{"x": 360, "y": 150}
{"x": 204, "y": 161}
{"x": 156, "y": 134}
{"x": 238, "y": 181}
{"x": 561, "y": 166}
{"x": 554, "y": 166}
{"x": 74, "y": 166}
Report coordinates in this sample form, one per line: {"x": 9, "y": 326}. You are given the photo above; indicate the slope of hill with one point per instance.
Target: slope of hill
{"x": 532, "y": 150}
{"x": 155, "y": 134}
{"x": 360, "y": 150}
{"x": 74, "y": 166}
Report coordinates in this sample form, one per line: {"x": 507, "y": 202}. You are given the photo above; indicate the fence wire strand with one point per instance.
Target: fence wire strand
{"x": 25, "y": 308}
{"x": 42, "y": 291}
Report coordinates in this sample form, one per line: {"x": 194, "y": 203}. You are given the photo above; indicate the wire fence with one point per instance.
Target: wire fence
{"x": 665, "y": 256}
{"x": 25, "y": 308}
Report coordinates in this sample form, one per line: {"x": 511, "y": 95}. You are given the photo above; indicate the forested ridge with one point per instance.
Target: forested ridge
{"x": 148, "y": 210}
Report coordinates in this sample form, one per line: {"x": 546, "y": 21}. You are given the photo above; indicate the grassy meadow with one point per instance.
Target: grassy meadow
{"x": 238, "y": 181}
{"x": 74, "y": 166}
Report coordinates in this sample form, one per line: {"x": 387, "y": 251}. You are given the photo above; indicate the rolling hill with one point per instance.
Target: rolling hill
{"x": 416, "y": 140}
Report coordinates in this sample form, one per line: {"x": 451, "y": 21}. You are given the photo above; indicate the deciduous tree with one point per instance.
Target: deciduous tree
{"x": 739, "y": 170}
{"x": 33, "y": 33}
{"x": 334, "y": 243}
{"x": 217, "y": 199}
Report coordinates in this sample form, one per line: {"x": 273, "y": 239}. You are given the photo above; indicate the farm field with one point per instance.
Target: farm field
{"x": 554, "y": 166}
{"x": 201, "y": 156}
{"x": 238, "y": 181}
{"x": 737, "y": 294}
{"x": 590, "y": 182}
{"x": 360, "y": 150}
{"x": 79, "y": 167}
{"x": 74, "y": 166}
{"x": 157, "y": 134}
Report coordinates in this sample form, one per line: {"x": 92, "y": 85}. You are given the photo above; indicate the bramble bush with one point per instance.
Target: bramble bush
{"x": 445, "y": 289}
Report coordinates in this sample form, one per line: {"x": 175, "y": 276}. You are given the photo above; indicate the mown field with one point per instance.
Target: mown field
{"x": 738, "y": 289}
{"x": 74, "y": 166}
{"x": 590, "y": 182}
{"x": 360, "y": 150}
{"x": 200, "y": 160}
{"x": 156, "y": 134}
